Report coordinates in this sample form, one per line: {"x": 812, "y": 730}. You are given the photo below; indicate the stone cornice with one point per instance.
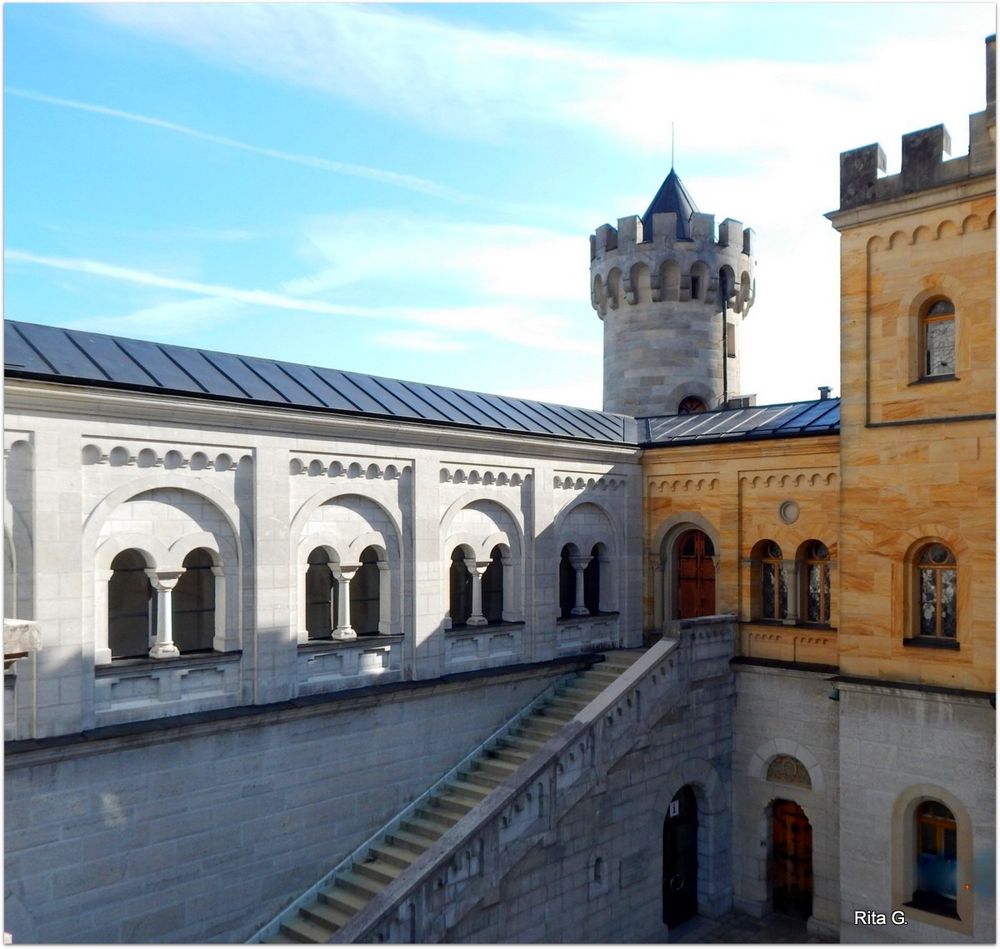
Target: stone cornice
{"x": 32, "y": 396}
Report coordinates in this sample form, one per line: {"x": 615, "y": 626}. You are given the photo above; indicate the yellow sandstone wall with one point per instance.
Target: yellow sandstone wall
{"x": 736, "y": 492}
{"x": 905, "y": 482}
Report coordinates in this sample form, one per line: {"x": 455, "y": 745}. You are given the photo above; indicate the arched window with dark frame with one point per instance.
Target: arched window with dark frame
{"x": 592, "y": 581}
{"x": 691, "y": 405}
{"x": 492, "y": 587}
{"x": 772, "y": 589}
{"x": 567, "y": 581}
{"x": 194, "y": 603}
{"x": 131, "y": 607}
{"x": 815, "y": 581}
{"x": 936, "y": 859}
{"x": 321, "y": 595}
{"x": 937, "y": 338}
{"x": 936, "y": 593}
{"x": 460, "y": 588}
{"x": 366, "y": 594}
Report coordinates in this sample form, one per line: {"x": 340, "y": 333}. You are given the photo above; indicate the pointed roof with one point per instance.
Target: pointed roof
{"x": 672, "y": 197}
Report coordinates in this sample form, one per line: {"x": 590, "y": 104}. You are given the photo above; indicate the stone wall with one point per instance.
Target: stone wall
{"x": 899, "y": 746}
{"x": 202, "y": 832}
{"x": 596, "y": 876}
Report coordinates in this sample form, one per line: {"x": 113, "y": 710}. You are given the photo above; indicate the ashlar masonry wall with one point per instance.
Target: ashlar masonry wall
{"x": 598, "y": 878}
{"x": 202, "y": 832}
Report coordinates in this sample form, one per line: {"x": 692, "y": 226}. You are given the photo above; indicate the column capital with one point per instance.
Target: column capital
{"x": 164, "y": 580}
{"x": 344, "y": 571}
{"x": 581, "y": 562}
{"x": 477, "y": 567}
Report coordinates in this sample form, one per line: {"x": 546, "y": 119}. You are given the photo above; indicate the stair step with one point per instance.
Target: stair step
{"x": 513, "y": 742}
{"x": 362, "y": 885}
{"x": 501, "y": 769}
{"x": 300, "y": 929}
{"x": 452, "y": 804}
{"x": 347, "y": 901}
{"x": 397, "y": 856}
{"x": 326, "y": 915}
{"x": 279, "y": 939}
{"x": 421, "y": 827}
{"x": 551, "y": 713}
{"x": 377, "y": 870}
{"x": 510, "y": 756}
{"x": 414, "y": 843}
{"x": 475, "y": 792}
{"x": 441, "y": 819}
{"x": 478, "y": 777}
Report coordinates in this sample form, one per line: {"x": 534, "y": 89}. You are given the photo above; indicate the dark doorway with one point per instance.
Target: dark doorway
{"x": 680, "y": 858}
{"x": 695, "y": 575}
{"x": 791, "y": 861}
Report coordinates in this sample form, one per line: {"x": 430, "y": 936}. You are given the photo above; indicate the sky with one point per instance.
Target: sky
{"x": 408, "y": 190}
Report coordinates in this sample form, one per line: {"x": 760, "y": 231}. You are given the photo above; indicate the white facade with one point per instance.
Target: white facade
{"x": 92, "y": 473}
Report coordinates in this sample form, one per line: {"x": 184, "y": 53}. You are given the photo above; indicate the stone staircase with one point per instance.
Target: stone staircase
{"x": 352, "y": 888}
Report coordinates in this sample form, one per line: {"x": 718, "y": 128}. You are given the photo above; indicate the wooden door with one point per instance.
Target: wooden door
{"x": 791, "y": 861}
{"x": 695, "y": 575}
{"x": 680, "y": 858}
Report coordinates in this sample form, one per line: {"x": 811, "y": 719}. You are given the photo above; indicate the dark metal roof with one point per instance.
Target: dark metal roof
{"x": 817, "y": 417}
{"x": 53, "y": 354}
{"x": 672, "y": 197}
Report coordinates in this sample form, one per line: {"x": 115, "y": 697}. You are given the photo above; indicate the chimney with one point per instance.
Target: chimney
{"x": 991, "y": 73}
{"x": 824, "y": 392}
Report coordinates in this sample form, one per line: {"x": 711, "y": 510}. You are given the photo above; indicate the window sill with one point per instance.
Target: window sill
{"x": 489, "y": 627}
{"x": 361, "y": 640}
{"x": 601, "y": 614}
{"x": 938, "y": 906}
{"x": 118, "y": 666}
{"x": 784, "y": 624}
{"x": 925, "y": 642}
{"x": 944, "y": 377}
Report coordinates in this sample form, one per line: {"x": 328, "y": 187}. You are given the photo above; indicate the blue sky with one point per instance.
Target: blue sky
{"x": 409, "y": 189}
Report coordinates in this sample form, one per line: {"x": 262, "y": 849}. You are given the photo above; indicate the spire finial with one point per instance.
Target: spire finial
{"x": 671, "y": 145}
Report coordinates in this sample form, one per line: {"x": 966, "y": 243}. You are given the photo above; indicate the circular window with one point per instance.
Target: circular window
{"x": 788, "y": 511}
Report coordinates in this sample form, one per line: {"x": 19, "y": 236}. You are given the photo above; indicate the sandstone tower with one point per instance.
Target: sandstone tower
{"x": 661, "y": 284}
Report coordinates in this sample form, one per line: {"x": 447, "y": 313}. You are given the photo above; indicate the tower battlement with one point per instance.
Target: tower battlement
{"x": 924, "y": 164}
{"x": 671, "y": 288}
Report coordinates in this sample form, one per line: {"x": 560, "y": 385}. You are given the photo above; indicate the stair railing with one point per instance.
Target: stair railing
{"x": 361, "y": 851}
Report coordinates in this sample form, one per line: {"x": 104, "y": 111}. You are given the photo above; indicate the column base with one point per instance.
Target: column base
{"x": 164, "y": 651}
{"x": 344, "y": 632}
{"x": 579, "y": 611}
{"x": 477, "y": 621}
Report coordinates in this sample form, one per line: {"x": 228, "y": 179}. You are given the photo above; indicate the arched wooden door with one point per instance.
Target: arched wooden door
{"x": 695, "y": 575}
{"x": 680, "y": 858}
{"x": 791, "y": 860}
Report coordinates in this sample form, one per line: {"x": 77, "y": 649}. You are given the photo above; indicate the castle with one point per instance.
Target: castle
{"x": 684, "y": 655}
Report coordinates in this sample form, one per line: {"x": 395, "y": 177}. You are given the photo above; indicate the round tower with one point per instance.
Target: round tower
{"x": 672, "y": 295}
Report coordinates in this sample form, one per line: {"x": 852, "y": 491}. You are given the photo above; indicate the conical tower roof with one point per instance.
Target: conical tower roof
{"x": 672, "y": 197}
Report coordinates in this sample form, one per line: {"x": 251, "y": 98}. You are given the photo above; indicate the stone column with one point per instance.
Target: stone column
{"x": 343, "y": 574}
{"x": 790, "y": 570}
{"x": 477, "y": 568}
{"x": 164, "y": 582}
{"x": 579, "y": 565}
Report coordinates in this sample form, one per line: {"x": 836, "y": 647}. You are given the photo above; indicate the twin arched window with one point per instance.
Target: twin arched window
{"x": 580, "y": 581}
{"x": 802, "y": 593}
{"x": 134, "y": 605}
{"x": 464, "y": 576}
{"x": 343, "y": 600}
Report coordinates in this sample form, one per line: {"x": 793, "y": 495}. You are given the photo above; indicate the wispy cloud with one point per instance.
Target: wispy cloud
{"x": 523, "y": 325}
{"x": 410, "y": 182}
{"x": 173, "y": 320}
{"x": 420, "y": 341}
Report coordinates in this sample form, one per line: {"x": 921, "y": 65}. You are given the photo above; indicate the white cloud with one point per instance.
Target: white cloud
{"x": 521, "y": 324}
{"x": 410, "y": 182}
{"x": 168, "y": 321}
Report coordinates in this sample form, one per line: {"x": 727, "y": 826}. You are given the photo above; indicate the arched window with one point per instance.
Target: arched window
{"x": 592, "y": 581}
{"x": 194, "y": 603}
{"x": 937, "y": 333}
{"x": 460, "y": 586}
{"x": 365, "y": 594}
{"x": 816, "y": 583}
{"x": 321, "y": 595}
{"x": 936, "y": 593}
{"x": 691, "y": 405}
{"x": 936, "y": 852}
{"x": 771, "y": 584}
{"x": 567, "y": 581}
{"x": 493, "y": 587}
{"x": 131, "y": 607}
